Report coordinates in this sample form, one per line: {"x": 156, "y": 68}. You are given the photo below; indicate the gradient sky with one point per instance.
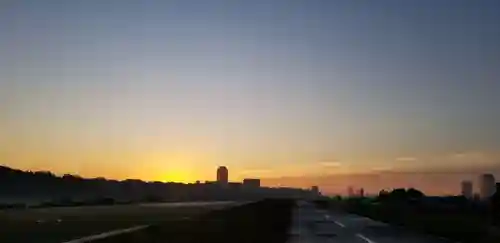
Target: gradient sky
{"x": 169, "y": 90}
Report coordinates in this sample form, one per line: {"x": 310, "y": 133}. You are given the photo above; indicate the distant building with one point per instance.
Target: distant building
{"x": 361, "y": 192}
{"x": 315, "y": 190}
{"x": 222, "y": 175}
{"x": 251, "y": 183}
{"x": 487, "y": 186}
{"x": 467, "y": 189}
{"x": 350, "y": 192}
{"x": 235, "y": 185}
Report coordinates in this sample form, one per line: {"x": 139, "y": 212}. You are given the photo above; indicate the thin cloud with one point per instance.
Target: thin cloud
{"x": 406, "y": 159}
{"x": 330, "y": 164}
{"x": 468, "y": 155}
{"x": 383, "y": 169}
{"x": 256, "y": 171}
{"x": 458, "y": 155}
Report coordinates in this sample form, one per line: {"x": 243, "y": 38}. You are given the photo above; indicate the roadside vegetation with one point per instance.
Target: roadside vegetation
{"x": 455, "y": 218}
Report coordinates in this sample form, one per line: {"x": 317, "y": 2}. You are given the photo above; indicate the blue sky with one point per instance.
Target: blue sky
{"x": 256, "y": 85}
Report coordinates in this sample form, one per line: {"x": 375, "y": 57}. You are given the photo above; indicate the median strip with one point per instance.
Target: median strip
{"x": 107, "y": 234}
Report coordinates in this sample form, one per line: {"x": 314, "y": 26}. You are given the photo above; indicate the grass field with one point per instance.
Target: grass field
{"x": 56, "y": 225}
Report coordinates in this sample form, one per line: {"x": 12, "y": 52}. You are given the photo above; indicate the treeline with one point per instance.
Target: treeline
{"x": 26, "y": 188}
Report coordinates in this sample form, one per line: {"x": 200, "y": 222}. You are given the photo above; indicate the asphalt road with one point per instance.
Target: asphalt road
{"x": 314, "y": 225}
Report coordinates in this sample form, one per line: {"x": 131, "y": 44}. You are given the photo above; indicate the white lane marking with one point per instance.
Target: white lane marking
{"x": 335, "y": 221}
{"x": 364, "y": 238}
{"x": 339, "y": 224}
{"x": 107, "y": 234}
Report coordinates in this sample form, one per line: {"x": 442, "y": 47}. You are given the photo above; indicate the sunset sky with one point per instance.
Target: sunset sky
{"x": 334, "y": 93}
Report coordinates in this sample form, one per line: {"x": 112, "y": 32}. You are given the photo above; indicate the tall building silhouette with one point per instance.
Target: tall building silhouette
{"x": 467, "y": 189}
{"x": 361, "y": 192}
{"x": 222, "y": 175}
{"x": 486, "y": 186}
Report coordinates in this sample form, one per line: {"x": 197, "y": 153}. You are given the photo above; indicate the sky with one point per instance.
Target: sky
{"x": 290, "y": 91}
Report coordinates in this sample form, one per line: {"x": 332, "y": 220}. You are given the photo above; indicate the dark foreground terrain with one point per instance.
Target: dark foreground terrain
{"x": 264, "y": 221}
{"x": 442, "y": 219}
{"x": 61, "y": 224}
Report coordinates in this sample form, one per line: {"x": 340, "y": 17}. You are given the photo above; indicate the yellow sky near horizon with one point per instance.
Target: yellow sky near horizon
{"x": 189, "y": 166}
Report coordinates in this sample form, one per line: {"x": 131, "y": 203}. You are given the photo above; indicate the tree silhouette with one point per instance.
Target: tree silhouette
{"x": 414, "y": 194}
{"x": 383, "y": 195}
{"x": 398, "y": 194}
{"x": 401, "y": 195}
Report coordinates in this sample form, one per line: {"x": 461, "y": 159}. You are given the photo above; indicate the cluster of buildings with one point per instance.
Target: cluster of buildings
{"x": 17, "y": 186}
{"x": 487, "y": 187}
{"x": 223, "y": 180}
{"x": 254, "y": 184}
{"x": 351, "y": 192}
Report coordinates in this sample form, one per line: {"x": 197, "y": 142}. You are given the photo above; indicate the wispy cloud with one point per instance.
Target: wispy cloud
{"x": 255, "y": 171}
{"x": 383, "y": 169}
{"x": 406, "y": 159}
{"x": 330, "y": 164}
{"x": 468, "y": 155}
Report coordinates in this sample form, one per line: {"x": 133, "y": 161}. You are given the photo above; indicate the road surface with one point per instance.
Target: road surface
{"x": 313, "y": 225}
